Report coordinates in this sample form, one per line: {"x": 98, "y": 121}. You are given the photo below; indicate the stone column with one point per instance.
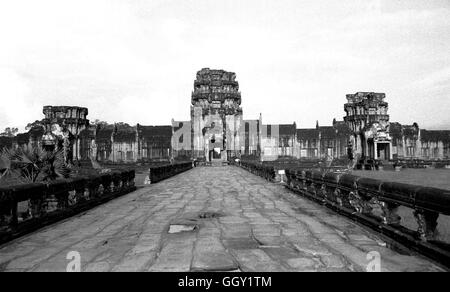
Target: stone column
{"x": 403, "y": 146}
{"x": 138, "y": 146}
{"x": 78, "y": 147}
{"x": 375, "y": 148}
{"x": 390, "y": 151}
{"x": 359, "y": 146}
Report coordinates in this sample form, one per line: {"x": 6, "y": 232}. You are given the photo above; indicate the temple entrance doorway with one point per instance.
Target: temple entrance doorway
{"x": 215, "y": 153}
{"x": 382, "y": 151}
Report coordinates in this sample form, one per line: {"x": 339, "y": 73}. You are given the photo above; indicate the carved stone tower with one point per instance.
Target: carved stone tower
{"x": 366, "y": 116}
{"x": 216, "y": 115}
{"x": 64, "y": 124}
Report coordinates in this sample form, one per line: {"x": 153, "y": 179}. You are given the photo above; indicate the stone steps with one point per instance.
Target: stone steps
{"x": 219, "y": 163}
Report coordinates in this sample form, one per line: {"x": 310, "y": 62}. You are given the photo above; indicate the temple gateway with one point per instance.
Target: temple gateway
{"x": 368, "y": 121}
{"x": 217, "y": 132}
{"x": 216, "y": 115}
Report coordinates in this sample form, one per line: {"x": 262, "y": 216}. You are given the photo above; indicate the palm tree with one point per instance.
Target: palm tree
{"x": 33, "y": 165}
{"x": 6, "y": 156}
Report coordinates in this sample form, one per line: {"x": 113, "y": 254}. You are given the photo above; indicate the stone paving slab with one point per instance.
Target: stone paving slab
{"x": 235, "y": 221}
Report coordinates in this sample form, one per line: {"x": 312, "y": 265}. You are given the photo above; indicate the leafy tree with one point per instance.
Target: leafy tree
{"x": 9, "y": 132}
{"x": 122, "y": 126}
{"x": 6, "y": 156}
{"x": 98, "y": 122}
{"x": 34, "y": 124}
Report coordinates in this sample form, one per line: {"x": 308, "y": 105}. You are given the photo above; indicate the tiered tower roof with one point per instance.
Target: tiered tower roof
{"x": 215, "y": 85}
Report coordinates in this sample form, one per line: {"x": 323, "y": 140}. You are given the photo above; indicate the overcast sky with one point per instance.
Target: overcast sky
{"x": 135, "y": 61}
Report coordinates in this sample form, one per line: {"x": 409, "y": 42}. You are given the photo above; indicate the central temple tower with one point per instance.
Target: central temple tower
{"x": 216, "y": 115}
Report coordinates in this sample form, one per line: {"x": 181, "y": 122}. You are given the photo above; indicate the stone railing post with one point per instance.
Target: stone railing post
{"x": 348, "y": 196}
{"x": 101, "y": 190}
{"x": 303, "y": 186}
{"x": 427, "y": 223}
{"x": 14, "y": 215}
{"x": 72, "y": 198}
{"x": 57, "y": 196}
{"x": 87, "y": 193}
{"x": 338, "y": 198}
{"x": 36, "y": 207}
{"x": 116, "y": 182}
{"x": 80, "y": 186}
{"x": 131, "y": 177}
{"x": 106, "y": 180}
{"x": 125, "y": 179}
{"x": 389, "y": 213}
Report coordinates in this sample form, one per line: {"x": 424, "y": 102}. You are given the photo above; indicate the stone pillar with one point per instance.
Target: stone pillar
{"x": 78, "y": 147}
{"x": 318, "y": 146}
{"x": 138, "y": 147}
{"x": 364, "y": 146}
{"x": 375, "y": 148}
{"x": 74, "y": 149}
{"x": 359, "y": 145}
{"x": 403, "y": 146}
{"x": 390, "y": 151}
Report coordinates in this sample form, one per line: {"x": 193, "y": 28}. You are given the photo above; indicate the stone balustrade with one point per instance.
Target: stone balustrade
{"x": 375, "y": 203}
{"x": 26, "y": 207}
{"x": 266, "y": 171}
{"x": 421, "y": 163}
{"x": 160, "y": 173}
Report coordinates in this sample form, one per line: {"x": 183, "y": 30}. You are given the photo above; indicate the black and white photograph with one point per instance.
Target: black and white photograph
{"x": 221, "y": 142}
